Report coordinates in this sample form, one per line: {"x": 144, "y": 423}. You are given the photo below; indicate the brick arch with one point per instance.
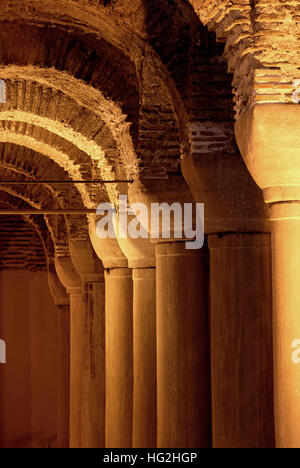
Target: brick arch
{"x": 59, "y": 157}
{"x": 28, "y": 164}
{"x": 93, "y": 60}
{"x": 37, "y": 222}
{"x": 178, "y": 96}
{"x": 42, "y": 230}
{"x": 21, "y": 163}
{"x": 99, "y": 149}
{"x": 84, "y": 196}
{"x": 34, "y": 166}
{"x": 82, "y": 113}
{"x": 112, "y": 26}
{"x": 57, "y": 225}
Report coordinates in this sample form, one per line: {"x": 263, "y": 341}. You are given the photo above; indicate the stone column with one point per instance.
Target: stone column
{"x": 144, "y": 352}
{"x": 91, "y": 272}
{"x": 141, "y": 258}
{"x": 269, "y": 139}
{"x": 72, "y": 282}
{"x": 118, "y": 341}
{"x": 63, "y": 390}
{"x": 286, "y": 280}
{"x": 119, "y": 357}
{"x": 241, "y": 341}
{"x": 240, "y": 296}
{"x": 183, "y": 391}
{"x": 62, "y": 303}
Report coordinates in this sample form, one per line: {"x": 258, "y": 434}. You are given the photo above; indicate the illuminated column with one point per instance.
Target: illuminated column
{"x": 286, "y": 280}
{"x": 62, "y": 303}
{"x": 183, "y": 390}
{"x": 144, "y": 351}
{"x": 241, "y": 341}
{"x": 141, "y": 258}
{"x": 119, "y": 357}
{"x": 118, "y": 342}
{"x": 269, "y": 139}
{"x": 240, "y": 298}
{"x": 91, "y": 272}
{"x": 72, "y": 282}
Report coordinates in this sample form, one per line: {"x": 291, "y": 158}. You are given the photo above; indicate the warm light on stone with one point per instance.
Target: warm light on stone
{"x": 269, "y": 142}
{"x": 149, "y": 341}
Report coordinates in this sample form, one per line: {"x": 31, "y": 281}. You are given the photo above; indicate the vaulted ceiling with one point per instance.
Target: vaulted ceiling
{"x": 103, "y": 90}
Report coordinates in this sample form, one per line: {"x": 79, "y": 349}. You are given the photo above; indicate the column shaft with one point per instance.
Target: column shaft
{"x": 286, "y": 290}
{"x": 93, "y": 366}
{"x": 63, "y": 381}
{"x": 144, "y": 346}
{"x": 183, "y": 390}
{"x": 76, "y": 347}
{"x": 241, "y": 341}
{"x": 119, "y": 358}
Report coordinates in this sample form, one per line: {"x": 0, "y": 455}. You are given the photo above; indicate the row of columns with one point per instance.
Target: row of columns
{"x": 195, "y": 368}
{"x": 141, "y": 346}
{"x": 235, "y": 354}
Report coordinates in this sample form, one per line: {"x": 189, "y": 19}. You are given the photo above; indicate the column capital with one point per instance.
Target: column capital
{"x": 68, "y": 275}
{"x": 139, "y": 252}
{"x": 171, "y": 192}
{"x": 85, "y": 261}
{"x": 269, "y": 139}
{"x": 107, "y": 250}
{"x": 220, "y": 180}
{"x": 57, "y": 290}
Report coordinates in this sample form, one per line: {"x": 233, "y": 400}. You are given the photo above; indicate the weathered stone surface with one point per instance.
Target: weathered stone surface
{"x": 261, "y": 46}
{"x": 135, "y": 91}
